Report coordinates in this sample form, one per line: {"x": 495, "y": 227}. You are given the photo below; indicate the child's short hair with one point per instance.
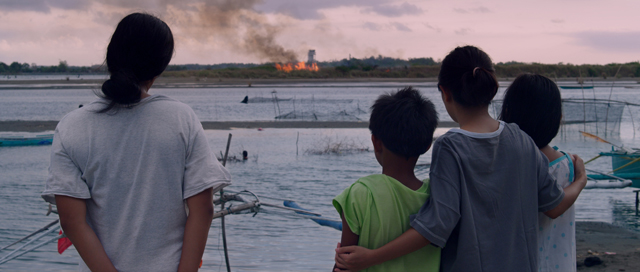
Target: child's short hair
{"x": 404, "y": 121}
{"x": 533, "y": 102}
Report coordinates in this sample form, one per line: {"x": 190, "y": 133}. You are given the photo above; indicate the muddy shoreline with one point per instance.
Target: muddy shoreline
{"x": 617, "y": 247}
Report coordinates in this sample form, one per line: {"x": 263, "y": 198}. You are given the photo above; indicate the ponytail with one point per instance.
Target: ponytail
{"x": 121, "y": 88}
{"x": 468, "y": 73}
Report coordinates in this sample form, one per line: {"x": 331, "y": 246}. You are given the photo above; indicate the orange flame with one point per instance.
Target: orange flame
{"x": 288, "y": 67}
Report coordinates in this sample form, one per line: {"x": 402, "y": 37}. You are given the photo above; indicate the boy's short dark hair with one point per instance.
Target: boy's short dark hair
{"x": 404, "y": 121}
{"x": 533, "y": 102}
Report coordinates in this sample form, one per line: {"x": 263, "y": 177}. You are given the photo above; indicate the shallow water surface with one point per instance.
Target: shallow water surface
{"x": 268, "y": 241}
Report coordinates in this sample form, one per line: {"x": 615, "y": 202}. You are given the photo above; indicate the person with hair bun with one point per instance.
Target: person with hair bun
{"x": 488, "y": 183}
{"x": 132, "y": 174}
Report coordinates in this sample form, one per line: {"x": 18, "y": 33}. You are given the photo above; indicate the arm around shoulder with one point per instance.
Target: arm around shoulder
{"x": 355, "y": 258}
{"x": 572, "y": 191}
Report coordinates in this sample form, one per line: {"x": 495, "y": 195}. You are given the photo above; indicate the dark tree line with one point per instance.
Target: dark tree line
{"x": 379, "y": 66}
{"x": 62, "y": 67}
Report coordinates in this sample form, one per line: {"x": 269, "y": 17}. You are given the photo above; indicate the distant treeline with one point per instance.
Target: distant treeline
{"x": 381, "y": 67}
{"x": 62, "y": 67}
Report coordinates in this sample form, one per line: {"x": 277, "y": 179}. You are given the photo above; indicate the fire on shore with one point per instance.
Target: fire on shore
{"x": 288, "y": 67}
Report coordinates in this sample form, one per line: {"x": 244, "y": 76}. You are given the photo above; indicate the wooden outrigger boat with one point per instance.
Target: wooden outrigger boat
{"x": 625, "y": 165}
{"x": 45, "y": 139}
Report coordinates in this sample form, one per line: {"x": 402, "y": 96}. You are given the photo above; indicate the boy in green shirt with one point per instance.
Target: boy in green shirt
{"x": 375, "y": 209}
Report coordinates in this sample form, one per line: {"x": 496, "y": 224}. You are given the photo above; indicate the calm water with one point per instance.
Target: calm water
{"x": 268, "y": 241}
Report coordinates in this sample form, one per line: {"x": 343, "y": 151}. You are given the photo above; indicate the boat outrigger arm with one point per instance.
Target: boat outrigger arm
{"x": 288, "y": 208}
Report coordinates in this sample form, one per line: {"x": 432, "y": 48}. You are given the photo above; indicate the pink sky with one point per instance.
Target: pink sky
{"x": 570, "y": 31}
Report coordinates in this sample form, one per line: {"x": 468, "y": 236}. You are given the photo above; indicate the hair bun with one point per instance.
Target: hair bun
{"x": 468, "y": 73}
{"x": 479, "y": 88}
{"x": 122, "y": 88}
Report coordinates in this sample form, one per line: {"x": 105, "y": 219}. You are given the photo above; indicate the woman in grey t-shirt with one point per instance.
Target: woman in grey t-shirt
{"x": 123, "y": 167}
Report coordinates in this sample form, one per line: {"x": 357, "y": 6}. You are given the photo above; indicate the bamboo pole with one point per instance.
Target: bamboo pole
{"x": 32, "y": 234}
{"x": 630, "y": 163}
{"x": 224, "y": 235}
{"x": 6, "y": 257}
{"x": 31, "y": 249}
{"x": 234, "y": 209}
{"x": 592, "y": 159}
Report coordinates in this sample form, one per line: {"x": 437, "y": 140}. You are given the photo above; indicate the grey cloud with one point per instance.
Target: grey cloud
{"x": 372, "y": 26}
{"x": 463, "y": 31}
{"x": 400, "y": 27}
{"x": 609, "y": 41}
{"x": 434, "y": 28}
{"x": 460, "y": 10}
{"x": 305, "y": 10}
{"x": 297, "y": 9}
{"x": 41, "y": 5}
{"x": 395, "y": 10}
{"x": 479, "y": 9}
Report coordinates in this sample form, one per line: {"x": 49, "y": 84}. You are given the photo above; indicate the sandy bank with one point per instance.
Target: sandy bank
{"x": 599, "y": 238}
{"x": 38, "y": 126}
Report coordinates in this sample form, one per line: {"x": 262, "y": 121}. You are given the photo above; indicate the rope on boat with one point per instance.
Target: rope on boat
{"x": 288, "y": 205}
{"x": 261, "y": 196}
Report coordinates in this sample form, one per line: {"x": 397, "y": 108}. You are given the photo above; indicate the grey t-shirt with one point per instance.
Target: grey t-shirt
{"x": 486, "y": 192}
{"x": 136, "y": 167}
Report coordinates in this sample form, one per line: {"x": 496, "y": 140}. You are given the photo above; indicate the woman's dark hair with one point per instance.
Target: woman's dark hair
{"x": 404, "y": 121}
{"x": 533, "y": 102}
{"x": 140, "y": 49}
{"x": 468, "y": 73}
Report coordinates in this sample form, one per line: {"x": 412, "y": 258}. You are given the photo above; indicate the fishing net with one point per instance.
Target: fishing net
{"x": 597, "y": 116}
{"x": 328, "y": 116}
{"x": 320, "y": 110}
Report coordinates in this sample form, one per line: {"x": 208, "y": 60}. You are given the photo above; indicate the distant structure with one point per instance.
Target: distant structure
{"x": 312, "y": 56}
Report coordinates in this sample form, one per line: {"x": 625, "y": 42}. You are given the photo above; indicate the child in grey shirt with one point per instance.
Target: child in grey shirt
{"x": 488, "y": 183}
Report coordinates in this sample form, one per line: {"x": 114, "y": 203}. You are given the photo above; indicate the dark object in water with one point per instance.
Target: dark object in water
{"x": 591, "y": 261}
{"x": 245, "y": 155}
{"x": 575, "y": 87}
{"x": 80, "y": 106}
{"x": 245, "y": 100}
